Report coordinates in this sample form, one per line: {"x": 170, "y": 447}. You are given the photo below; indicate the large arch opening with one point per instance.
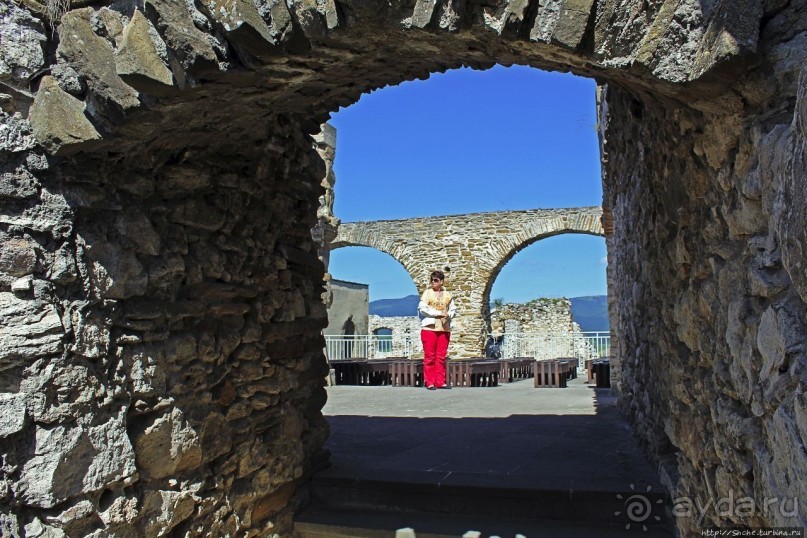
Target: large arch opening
{"x": 160, "y": 185}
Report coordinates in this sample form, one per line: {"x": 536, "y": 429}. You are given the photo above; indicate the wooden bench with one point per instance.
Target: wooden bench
{"x": 590, "y": 370}
{"x": 515, "y": 369}
{"x": 347, "y": 372}
{"x": 550, "y": 373}
{"x": 602, "y": 373}
{"x": 475, "y": 372}
{"x": 406, "y": 373}
{"x": 572, "y": 363}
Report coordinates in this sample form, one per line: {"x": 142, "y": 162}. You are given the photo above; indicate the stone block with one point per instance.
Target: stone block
{"x": 731, "y": 31}
{"x": 167, "y": 445}
{"x": 17, "y": 255}
{"x": 243, "y": 24}
{"x": 198, "y": 214}
{"x": 58, "y": 120}
{"x": 164, "y": 510}
{"x": 116, "y": 271}
{"x": 15, "y": 133}
{"x": 12, "y": 413}
{"x": 21, "y": 39}
{"x": 38, "y": 529}
{"x": 273, "y": 502}
{"x": 572, "y": 22}
{"x": 18, "y": 184}
{"x": 136, "y": 227}
{"x": 29, "y": 329}
{"x": 94, "y": 59}
{"x": 190, "y": 45}
{"x": 138, "y": 62}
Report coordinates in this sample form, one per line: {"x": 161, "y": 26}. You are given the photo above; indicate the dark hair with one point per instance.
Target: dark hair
{"x": 437, "y": 274}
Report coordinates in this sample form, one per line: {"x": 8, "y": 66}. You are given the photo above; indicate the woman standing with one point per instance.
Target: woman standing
{"x": 436, "y": 309}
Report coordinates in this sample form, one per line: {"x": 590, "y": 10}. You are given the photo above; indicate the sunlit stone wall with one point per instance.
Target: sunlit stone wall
{"x": 160, "y": 292}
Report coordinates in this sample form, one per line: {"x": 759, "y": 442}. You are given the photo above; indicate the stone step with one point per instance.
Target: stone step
{"x": 335, "y": 496}
{"x": 317, "y": 523}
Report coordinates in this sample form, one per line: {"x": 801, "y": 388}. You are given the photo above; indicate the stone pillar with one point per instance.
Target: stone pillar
{"x": 327, "y": 224}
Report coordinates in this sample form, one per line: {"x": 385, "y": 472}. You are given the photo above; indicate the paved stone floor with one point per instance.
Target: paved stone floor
{"x": 569, "y": 442}
{"x": 513, "y": 433}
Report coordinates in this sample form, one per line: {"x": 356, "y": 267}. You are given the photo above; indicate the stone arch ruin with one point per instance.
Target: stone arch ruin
{"x": 160, "y": 308}
{"x": 474, "y": 246}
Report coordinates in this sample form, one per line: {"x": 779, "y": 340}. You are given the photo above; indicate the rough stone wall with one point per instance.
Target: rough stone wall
{"x": 539, "y": 316}
{"x": 404, "y": 329}
{"x": 139, "y": 393}
{"x": 327, "y": 224}
{"x": 707, "y": 268}
{"x": 161, "y": 292}
{"x": 474, "y": 247}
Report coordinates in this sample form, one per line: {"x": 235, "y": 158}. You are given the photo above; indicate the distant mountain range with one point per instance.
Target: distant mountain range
{"x": 389, "y": 308}
{"x": 590, "y": 312}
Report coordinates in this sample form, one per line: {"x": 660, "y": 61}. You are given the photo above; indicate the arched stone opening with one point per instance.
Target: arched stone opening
{"x": 518, "y": 244}
{"x": 161, "y": 291}
{"x": 386, "y": 275}
{"x": 467, "y": 248}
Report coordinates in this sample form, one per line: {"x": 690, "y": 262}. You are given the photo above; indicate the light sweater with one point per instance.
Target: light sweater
{"x": 431, "y": 304}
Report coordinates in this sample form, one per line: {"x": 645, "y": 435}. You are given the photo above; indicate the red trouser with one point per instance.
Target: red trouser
{"x": 435, "y": 347}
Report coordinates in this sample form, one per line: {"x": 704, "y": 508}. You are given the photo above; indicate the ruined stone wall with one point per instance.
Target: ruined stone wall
{"x": 161, "y": 292}
{"x": 470, "y": 249}
{"x": 405, "y": 334}
{"x": 539, "y": 316}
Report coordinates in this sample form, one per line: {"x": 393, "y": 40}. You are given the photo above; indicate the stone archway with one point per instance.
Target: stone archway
{"x": 474, "y": 248}
{"x": 160, "y": 297}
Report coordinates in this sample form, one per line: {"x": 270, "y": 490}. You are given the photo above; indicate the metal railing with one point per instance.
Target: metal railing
{"x": 580, "y": 345}
{"x": 369, "y": 346}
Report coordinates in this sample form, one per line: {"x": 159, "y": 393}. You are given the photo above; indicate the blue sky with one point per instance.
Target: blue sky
{"x": 468, "y": 141}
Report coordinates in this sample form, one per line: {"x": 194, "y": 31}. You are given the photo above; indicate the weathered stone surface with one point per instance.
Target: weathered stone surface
{"x": 51, "y": 215}
{"x": 17, "y": 256}
{"x": 243, "y": 24}
{"x": 58, "y": 120}
{"x": 97, "y": 456}
{"x": 168, "y": 445}
{"x": 790, "y": 206}
{"x": 190, "y": 46}
{"x": 18, "y": 184}
{"x": 116, "y": 271}
{"x": 9, "y": 525}
{"x": 12, "y": 414}
{"x": 164, "y": 510}
{"x": 571, "y": 23}
{"x": 93, "y": 57}
{"x": 138, "y": 62}
{"x": 730, "y": 32}
{"x": 15, "y": 133}
{"x": 21, "y": 38}
{"x": 29, "y": 329}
